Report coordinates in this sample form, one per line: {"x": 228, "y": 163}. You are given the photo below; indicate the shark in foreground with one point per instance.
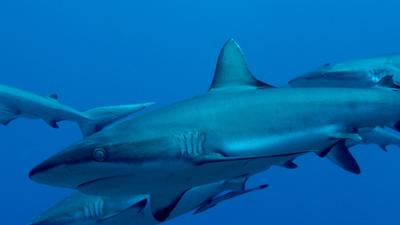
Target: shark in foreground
{"x": 81, "y": 209}
{"x": 240, "y": 127}
{"x": 16, "y": 103}
{"x": 371, "y": 72}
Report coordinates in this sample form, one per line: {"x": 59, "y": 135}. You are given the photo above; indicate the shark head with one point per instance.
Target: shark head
{"x": 82, "y": 162}
{"x": 80, "y": 209}
{"x": 107, "y": 155}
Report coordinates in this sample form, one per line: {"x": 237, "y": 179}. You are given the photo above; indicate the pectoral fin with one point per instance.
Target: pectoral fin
{"x": 137, "y": 207}
{"x": 163, "y": 204}
{"x": 341, "y": 156}
{"x": 215, "y": 201}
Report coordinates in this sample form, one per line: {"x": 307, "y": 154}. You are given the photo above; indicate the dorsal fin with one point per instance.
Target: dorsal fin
{"x": 232, "y": 70}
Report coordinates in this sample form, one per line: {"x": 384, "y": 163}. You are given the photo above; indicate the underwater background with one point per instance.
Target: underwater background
{"x": 95, "y": 53}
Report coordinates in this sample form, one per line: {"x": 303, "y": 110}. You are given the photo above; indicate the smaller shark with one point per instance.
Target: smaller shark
{"x": 16, "y": 103}
{"x": 81, "y": 209}
{"x": 361, "y": 73}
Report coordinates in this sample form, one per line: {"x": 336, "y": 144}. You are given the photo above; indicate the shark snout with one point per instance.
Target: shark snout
{"x": 51, "y": 172}
{"x": 59, "y": 170}
{"x": 77, "y": 165}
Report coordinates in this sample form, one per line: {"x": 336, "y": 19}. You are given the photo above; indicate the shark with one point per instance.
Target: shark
{"x": 240, "y": 127}
{"x": 381, "y": 71}
{"x": 81, "y": 209}
{"x": 16, "y": 103}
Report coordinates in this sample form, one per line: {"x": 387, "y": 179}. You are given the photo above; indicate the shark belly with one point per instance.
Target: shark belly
{"x": 149, "y": 179}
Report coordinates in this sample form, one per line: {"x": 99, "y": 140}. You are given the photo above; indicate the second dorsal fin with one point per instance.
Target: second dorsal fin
{"x": 232, "y": 71}
{"x": 53, "y": 96}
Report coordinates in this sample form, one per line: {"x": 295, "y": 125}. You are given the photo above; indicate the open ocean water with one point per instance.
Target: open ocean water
{"x": 95, "y": 53}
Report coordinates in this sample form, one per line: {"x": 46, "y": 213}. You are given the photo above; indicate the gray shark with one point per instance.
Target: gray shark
{"x": 377, "y": 72}
{"x": 16, "y": 103}
{"x": 371, "y": 72}
{"x": 240, "y": 127}
{"x": 81, "y": 209}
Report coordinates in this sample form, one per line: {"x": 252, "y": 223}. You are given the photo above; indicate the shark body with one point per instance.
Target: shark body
{"x": 240, "y": 127}
{"x": 81, "y": 209}
{"x": 16, "y": 103}
{"x": 364, "y": 73}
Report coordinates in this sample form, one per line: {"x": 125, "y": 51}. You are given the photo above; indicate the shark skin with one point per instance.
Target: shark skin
{"x": 81, "y": 209}
{"x": 371, "y": 72}
{"x": 240, "y": 127}
{"x": 16, "y": 103}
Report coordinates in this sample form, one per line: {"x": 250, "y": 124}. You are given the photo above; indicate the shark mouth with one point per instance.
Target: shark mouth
{"x": 88, "y": 183}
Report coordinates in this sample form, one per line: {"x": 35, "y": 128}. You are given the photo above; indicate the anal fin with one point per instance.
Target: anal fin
{"x": 53, "y": 123}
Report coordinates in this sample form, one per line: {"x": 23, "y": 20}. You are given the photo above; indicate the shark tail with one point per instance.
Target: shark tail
{"x": 98, "y": 118}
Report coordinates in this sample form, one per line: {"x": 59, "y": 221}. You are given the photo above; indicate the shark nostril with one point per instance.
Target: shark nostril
{"x": 99, "y": 154}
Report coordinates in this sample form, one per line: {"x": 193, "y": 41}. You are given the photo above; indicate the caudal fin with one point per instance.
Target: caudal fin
{"x": 103, "y": 116}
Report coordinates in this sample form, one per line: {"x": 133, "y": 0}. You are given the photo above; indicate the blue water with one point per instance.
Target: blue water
{"x": 95, "y": 53}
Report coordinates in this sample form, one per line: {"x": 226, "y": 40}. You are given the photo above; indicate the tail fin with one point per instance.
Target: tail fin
{"x": 104, "y": 116}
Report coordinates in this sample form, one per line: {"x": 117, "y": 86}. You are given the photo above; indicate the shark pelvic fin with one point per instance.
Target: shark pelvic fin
{"x": 232, "y": 70}
{"x": 388, "y": 81}
{"x": 290, "y": 164}
{"x": 53, "y": 123}
{"x": 341, "y": 156}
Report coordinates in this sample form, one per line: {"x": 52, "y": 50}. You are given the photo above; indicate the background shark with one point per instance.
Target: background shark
{"x": 240, "y": 127}
{"x": 15, "y": 103}
{"x": 371, "y": 72}
{"x": 80, "y": 209}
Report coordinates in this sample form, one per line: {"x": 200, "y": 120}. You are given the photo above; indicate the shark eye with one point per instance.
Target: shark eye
{"x": 99, "y": 154}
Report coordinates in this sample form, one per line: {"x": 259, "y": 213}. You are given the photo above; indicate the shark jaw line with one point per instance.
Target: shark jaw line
{"x": 87, "y": 183}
